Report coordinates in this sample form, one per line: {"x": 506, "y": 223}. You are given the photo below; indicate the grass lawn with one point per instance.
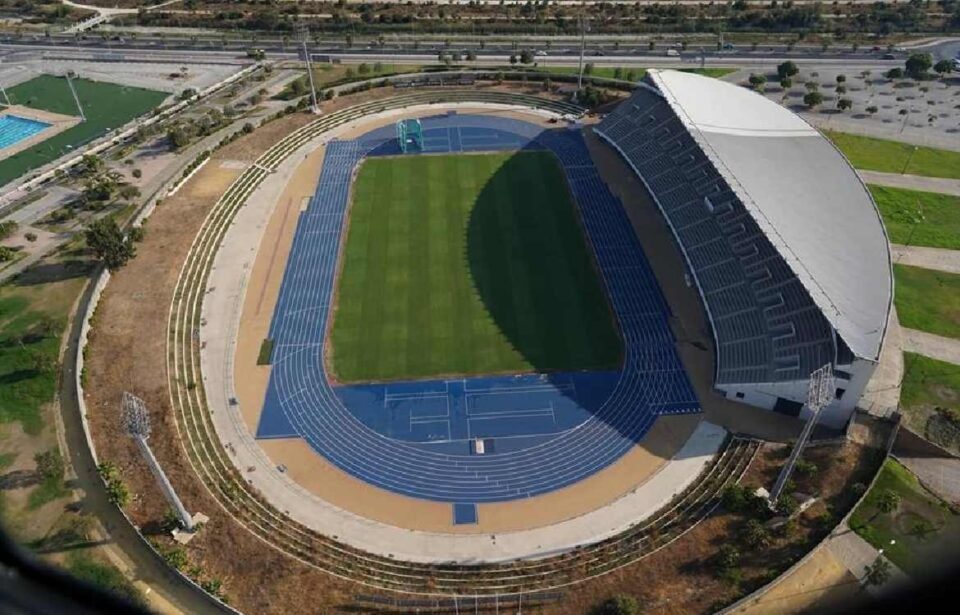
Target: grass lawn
{"x": 86, "y": 566}
{"x": 467, "y": 264}
{"x": 609, "y": 72}
{"x": 919, "y": 218}
{"x": 928, "y": 300}
{"x": 106, "y": 106}
{"x": 32, "y": 317}
{"x": 920, "y": 526}
{"x": 895, "y": 157}
{"x": 929, "y": 384}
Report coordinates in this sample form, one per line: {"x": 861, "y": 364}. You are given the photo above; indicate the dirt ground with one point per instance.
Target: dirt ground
{"x": 127, "y": 351}
{"x": 680, "y": 578}
{"x": 821, "y": 584}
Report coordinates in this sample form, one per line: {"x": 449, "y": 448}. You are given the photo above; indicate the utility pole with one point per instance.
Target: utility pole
{"x": 303, "y": 31}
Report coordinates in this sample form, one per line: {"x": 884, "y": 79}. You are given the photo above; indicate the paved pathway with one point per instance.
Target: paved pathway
{"x": 929, "y": 258}
{"x": 912, "y": 182}
{"x": 930, "y": 345}
{"x": 881, "y": 397}
{"x": 940, "y": 474}
{"x": 856, "y": 554}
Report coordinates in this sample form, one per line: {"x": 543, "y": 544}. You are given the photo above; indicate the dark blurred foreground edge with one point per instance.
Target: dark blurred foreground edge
{"x": 28, "y": 586}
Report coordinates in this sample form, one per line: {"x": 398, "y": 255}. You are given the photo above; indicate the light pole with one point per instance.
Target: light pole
{"x": 136, "y": 422}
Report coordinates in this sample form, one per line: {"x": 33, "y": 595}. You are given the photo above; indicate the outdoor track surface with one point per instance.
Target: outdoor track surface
{"x": 367, "y": 431}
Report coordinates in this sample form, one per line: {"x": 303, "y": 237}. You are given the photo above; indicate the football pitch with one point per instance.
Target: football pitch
{"x": 467, "y": 264}
{"x": 106, "y": 105}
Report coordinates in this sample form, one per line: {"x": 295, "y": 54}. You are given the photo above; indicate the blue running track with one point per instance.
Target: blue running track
{"x": 540, "y": 432}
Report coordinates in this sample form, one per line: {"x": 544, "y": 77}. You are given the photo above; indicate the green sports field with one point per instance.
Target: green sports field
{"x": 919, "y": 218}
{"x": 106, "y": 105}
{"x": 467, "y": 264}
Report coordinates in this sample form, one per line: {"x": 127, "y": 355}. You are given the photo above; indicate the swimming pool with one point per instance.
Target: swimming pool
{"x": 14, "y": 129}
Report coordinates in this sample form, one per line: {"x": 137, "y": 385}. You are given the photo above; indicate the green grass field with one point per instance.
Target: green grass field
{"x": 928, "y": 300}
{"x": 894, "y": 157}
{"x": 930, "y": 400}
{"x": 919, "y": 218}
{"x": 467, "y": 264}
{"x": 920, "y": 527}
{"x": 32, "y": 317}
{"x": 610, "y": 72}
{"x": 106, "y": 105}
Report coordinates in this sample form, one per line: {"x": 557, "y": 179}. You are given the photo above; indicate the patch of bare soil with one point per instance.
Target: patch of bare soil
{"x": 681, "y": 578}
{"x": 127, "y": 352}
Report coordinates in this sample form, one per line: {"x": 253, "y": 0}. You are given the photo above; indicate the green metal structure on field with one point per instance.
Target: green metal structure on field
{"x": 410, "y": 135}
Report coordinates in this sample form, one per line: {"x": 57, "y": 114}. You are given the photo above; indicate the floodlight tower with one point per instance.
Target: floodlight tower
{"x": 303, "y": 32}
{"x": 136, "y": 422}
{"x": 820, "y": 392}
{"x": 69, "y": 75}
{"x": 583, "y": 42}
{"x": 4, "y": 91}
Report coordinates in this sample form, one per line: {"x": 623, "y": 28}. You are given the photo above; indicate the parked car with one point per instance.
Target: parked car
{"x": 673, "y": 53}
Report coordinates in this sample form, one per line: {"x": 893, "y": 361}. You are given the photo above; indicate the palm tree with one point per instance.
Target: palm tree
{"x": 888, "y": 501}
{"x": 877, "y": 573}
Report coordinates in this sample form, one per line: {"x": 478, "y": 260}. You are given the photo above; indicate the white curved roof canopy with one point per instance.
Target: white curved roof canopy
{"x": 802, "y": 193}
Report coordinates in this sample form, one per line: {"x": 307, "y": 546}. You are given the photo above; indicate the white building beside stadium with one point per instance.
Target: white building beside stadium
{"x": 780, "y": 235}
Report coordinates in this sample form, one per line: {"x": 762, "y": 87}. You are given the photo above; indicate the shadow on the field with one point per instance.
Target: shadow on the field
{"x": 535, "y": 272}
{"x": 530, "y": 265}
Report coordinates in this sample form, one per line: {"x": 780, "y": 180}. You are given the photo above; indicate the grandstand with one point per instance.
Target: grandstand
{"x": 781, "y": 237}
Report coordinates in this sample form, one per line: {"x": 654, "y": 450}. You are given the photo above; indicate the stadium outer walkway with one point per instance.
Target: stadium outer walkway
{"x": 222, "y": 309}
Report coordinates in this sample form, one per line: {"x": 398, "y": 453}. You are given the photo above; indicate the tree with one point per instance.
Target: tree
{"x": 178, "y": 136}
{"x": 757, "y": 81}
{"x": 91, "y": 164}
{"x": 841, "y": 89}
{"x": 526, "y": 56}
{"x": 726, "y": 559}
{"x": 888, "y": 501}
{"x": 621, "y": 604}
{"x": 918, "y": 64}
{"x": 894, "y": 73}
{"x": 109, "y": 243}
{"x": 116, "y": 491}
{"x": 841, "y": 78}
{"x": 513, "y": 58}
{"x": 943, "y": 67}
{"x": 872, "y": 109}
{"x": 813, "y": 99}
{"x": 756, "y": 535}
{"x": 877, "y": 573}
{"x": 786, "y": 83}
{"x": 588, "y": 68}
{"x": 787, "y": 69}
{"x": 844, "y": 103}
